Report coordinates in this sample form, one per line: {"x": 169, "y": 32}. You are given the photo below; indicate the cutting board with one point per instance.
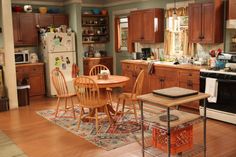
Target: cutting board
{"x": 175, "y": 92}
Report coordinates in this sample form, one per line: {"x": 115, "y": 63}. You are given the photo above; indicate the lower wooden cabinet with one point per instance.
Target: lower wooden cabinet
{"x": 162, "y": 77}
{"x": 32, "y": 74}
{"x": 88, "y": 63}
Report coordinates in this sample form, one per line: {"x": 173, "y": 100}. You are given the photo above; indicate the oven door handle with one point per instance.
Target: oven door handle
{"x": 220, "y": 80}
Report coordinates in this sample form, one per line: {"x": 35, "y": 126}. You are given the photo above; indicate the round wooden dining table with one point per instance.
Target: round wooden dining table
{"x": 113, "y": 81}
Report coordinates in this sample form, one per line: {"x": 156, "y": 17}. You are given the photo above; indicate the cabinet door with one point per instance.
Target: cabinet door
{"x": 128, "y": 70}
{"x": 138, "y": 69}
{"x": 148, "y": 26}
{"x": 28, "y": 29}
{"x": 36, "y": 85}
{"x": 16, "y": 28}
{"x": 208, "y": 23}
{"x": 59, "y": 20}
{"x": 155, "y": 82}
{"x": 45, "y": 20}
{"x": 137, "y": 26}
{"x": 231, "y": 9}
{"x": 195, "y": 23}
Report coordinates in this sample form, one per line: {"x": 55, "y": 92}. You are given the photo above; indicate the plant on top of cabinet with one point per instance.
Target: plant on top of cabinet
{"x": 206, "y": 22}
{"x": 147, "y": 25}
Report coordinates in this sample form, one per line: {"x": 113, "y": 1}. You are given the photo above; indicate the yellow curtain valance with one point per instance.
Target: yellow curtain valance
{"x": 182, "y": 11}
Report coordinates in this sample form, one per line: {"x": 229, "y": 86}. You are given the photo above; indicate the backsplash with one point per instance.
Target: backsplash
{"x": 202, "y": 50}
{"x": 31, "y": 49}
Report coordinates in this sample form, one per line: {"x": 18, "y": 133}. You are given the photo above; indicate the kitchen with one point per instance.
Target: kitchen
{"x": 104, "y": 47}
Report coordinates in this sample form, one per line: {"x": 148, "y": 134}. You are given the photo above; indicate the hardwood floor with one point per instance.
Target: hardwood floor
{"x": 37, "y": 137}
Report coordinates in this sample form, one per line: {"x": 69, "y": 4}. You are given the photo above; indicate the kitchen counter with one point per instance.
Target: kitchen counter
{"x": 29, "y": 64}
{"x": 167, "y": 64}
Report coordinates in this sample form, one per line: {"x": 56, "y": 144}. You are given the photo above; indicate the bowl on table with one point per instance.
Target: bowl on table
{"x": 43, "y": 10}
{"x": 96, "y": 11}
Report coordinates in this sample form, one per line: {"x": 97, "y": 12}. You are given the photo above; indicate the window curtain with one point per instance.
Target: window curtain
{"x": 130, "y": 43}
{"x": 117, "y": 34}
{"x": 187, "y": 48}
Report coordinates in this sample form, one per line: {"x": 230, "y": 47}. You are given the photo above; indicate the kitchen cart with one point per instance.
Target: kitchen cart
{"x": 168, "y": 104}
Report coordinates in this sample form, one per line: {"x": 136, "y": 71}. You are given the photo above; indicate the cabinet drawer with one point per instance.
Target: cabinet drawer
{"x": 138, "y": 68}
{"x": 127, "y": 66}
{"x": 22, "y": 70}
{"x": 189, "y": 76}
{"x": 169, "y": 73}
{"x": 36, "y": 69}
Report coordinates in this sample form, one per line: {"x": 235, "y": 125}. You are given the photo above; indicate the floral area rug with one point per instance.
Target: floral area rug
{"x": 125, "y": 131}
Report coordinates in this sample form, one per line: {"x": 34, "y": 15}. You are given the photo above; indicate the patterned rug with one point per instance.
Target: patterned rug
{"x": 125, "y": 131}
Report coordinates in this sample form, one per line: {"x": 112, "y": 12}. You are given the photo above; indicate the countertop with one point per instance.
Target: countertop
{"x": 29, "y": 64}
{"x": 167, "y": 64}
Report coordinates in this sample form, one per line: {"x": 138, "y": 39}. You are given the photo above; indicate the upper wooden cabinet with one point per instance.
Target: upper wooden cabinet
{"x": 206, "y": 22}
{"x": 60, "y": 19}
{"x": 44, "y": 20}
{"x": 147, "y": 26}
{"x": 24, "y": 30}
{"x": 231, "y": 9}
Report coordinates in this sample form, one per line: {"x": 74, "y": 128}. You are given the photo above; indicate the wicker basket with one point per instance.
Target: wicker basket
{"x": 181, "y": 139}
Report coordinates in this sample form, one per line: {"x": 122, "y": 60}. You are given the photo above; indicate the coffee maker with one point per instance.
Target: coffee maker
{"x": 146, "y": 53}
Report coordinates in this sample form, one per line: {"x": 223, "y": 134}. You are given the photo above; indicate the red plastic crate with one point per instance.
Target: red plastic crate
{"x": 181, "y": 139}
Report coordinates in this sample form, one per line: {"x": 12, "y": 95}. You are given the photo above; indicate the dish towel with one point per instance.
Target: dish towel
{"x": 211, "y": 88}
{"x": 150, "y": 68}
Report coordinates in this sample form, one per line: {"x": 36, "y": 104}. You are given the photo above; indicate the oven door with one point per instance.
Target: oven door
{"x": 226, "y": 94}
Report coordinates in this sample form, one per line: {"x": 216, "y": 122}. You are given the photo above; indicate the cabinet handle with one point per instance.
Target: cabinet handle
{"x": 190, "y": 74}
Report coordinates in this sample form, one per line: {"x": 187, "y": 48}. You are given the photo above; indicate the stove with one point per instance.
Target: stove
{"x": 225, "y": 107}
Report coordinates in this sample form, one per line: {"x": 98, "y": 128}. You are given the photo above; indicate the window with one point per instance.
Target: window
{"x": 122, "y": 35}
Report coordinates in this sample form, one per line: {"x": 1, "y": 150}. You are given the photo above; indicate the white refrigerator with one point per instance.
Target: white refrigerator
{"x": 58, "y": 51}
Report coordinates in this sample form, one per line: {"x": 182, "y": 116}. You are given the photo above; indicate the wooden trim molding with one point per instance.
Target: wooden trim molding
{"x": 49, "y": 3}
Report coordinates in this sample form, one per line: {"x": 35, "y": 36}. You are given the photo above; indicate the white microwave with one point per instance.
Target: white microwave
{"x": 22, "y": 57}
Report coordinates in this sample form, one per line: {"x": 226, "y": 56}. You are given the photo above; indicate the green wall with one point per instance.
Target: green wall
{"x": 1, "y": 34}
{"x": 74, "y": 12}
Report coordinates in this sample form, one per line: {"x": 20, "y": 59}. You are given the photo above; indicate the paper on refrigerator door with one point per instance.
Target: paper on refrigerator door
{"x": 64, "y": 62}
{"x": 60, "y": 42}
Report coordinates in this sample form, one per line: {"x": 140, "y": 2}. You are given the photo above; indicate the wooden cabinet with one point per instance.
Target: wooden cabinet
{"x": 34, "y": 75}
{"x": 60, "y": 19}
{"x": 231, "y": 9}
{"x": 24, "y": 30}
{"x": 191, "y": 80}
{"x": 132, "y": 71}
{"x": 206, "y": 22}
{"x": 45, "y": 20}
{"x": 147, "y": 26}
{"x": 88, "y": 63}
{"x": 162, "y": 77}
{"x": 128, "y": 70}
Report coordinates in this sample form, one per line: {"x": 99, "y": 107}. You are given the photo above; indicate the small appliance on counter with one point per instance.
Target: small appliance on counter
{"x": 230, "y": 61}
{"x": 22, "y": 57}
{"x": 146, "y": 53}
{"x": 137, "y": 55}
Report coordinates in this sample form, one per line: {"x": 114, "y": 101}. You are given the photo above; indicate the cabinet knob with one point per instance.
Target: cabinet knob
{"x": 190, "y": 74}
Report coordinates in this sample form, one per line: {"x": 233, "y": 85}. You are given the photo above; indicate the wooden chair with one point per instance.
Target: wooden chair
{"x": 89, "y": 97}
{"x": 132, "y": 97}
{"x": 60, "y": 85}
{"x": 95, "y": 70}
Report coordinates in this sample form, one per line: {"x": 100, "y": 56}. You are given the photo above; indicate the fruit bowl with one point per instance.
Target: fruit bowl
{"x": 43, "y": 10}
